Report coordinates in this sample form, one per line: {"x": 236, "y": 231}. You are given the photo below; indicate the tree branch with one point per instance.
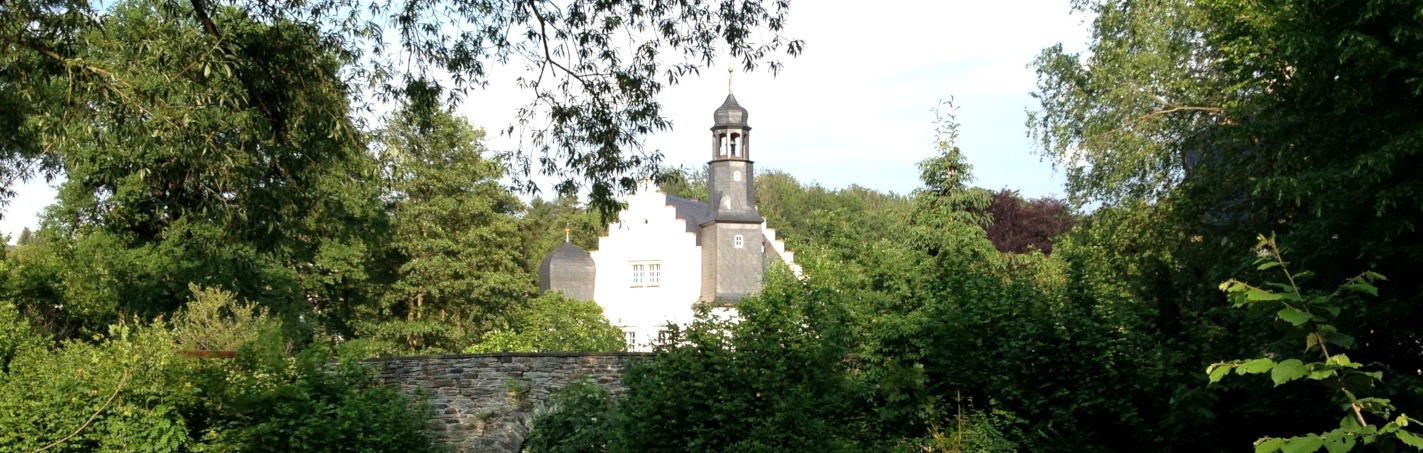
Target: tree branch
{"x": 543, "y": 39}
{"x": 278, "y": 126}
{"x": 122, "y": 381}
{"x": 1181, "y": 108}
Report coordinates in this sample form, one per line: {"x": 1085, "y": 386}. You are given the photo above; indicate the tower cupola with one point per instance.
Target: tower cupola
{"x": 730, "y": 114}
{"x": 731, "y": 136}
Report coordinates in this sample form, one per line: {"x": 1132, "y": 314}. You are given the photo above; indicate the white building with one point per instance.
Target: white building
{"x": 666, "y": 254}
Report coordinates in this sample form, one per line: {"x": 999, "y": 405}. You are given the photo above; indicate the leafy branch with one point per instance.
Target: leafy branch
{"x": 1309, "y": 316}
{"x": 122, "y": 381}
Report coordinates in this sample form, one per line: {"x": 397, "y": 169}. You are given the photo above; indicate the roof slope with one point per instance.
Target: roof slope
{"x": 693, "y": 212}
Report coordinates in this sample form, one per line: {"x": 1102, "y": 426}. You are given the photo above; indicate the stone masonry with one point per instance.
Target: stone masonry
{"x": 485, "y": 402}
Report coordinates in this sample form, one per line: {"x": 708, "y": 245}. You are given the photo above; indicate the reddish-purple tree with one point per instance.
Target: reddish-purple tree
{"x": 1022, "y": 225}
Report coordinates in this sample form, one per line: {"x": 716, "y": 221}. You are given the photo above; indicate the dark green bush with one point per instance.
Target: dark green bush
{"x": 306, "y": 403}
{"x": 578, "y": 419}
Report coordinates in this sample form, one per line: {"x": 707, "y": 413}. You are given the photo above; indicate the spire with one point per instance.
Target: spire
{"x": 566, "y": 232}
{"x": 729, "y": 70}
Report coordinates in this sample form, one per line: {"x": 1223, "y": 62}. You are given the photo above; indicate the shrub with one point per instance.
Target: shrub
{"x": 216, "y": 321}
{"x": 306, "y": 403}
{"x": 126, "y": 392}
{"x": 16, "y": 335}
{"x": 578, "y": 418}
{"x": 129, "y": 391}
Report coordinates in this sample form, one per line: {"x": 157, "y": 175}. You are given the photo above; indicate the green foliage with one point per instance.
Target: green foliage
{"x": 1123, "y": 117}
{"x": 16, "y": 335}
{"x": 216, "y": 321}
{"x": 1308, "y": 318}
{"x": 226, "y": 160}
{"x": 685, "y": 182}
{"x": 949, "y": 216}
{"x": 220, "y": 145}
{"x": 126, "y": 393}
{"x": 811, "y": 216}
{"x": 453, "y": 228}
{"x": 1074, "y": 359}
{"x": 578, "y": 418}
{"x": 946, "y": 195}
{"x": 1198, "y": 124}
{"x": 547, "y": 224}
{"x": 305, "y": 403}
{"x": 773, "y": 381}
{"x": 553, "y": 323}
{"x": 602, "y": 66}
{"x": 974, "y": 432}
{"x": 131, "y": 391}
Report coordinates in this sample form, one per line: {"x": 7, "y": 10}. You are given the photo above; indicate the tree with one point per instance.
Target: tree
{"x": 1207, "y": 123}
{"x": 946, "y": 208}
{"x": 809, "y": 216}
{"x": 547, "y": 224}
{"x": 26, "y": 236}
{"x": 1309, "y": 316}
{"x": 598, "y": 68}
{"x": 186, "y": 165}
{"x": 689, "y": 183}
{"x": 1125, "y": 118}
{"x": 453, "y": 226}
{"x": 1022, "y": 225}
{"x": 553, "y": 323}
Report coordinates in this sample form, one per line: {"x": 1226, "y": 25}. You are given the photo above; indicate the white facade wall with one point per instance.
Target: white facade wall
{"x": 647, "y": 232}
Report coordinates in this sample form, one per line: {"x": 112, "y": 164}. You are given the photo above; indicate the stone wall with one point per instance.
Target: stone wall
{"x": 484, "y": 402}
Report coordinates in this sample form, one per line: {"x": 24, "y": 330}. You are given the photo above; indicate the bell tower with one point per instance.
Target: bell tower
{"x": 731, "y": 240}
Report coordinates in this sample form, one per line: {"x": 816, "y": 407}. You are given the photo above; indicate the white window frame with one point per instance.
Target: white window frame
{"x": 645, "y": 274}
{"x": 739, "y": 241}
{"x": 638, "y": 270}
{"x": 654, "y": 273}
{"x": 631, "y": 337}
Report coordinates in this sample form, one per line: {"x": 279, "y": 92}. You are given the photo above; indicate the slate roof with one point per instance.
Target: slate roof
{"x": 570, "y": 269}
{"x": 730, "y": 113}
{"x": 694, "y": 213}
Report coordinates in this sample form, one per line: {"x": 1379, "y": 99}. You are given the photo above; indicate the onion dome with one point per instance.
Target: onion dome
{"x": 570, "y": 269}
{"x": 730, "y": 114}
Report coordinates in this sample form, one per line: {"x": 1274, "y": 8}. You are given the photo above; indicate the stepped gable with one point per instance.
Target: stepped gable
{"x": 693, "y": 212}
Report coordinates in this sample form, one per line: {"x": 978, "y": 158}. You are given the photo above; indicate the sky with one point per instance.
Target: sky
{"x": 855, "y": 107}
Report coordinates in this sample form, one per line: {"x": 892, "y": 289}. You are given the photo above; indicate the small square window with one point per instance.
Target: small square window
{"x": 638, "y": 274}
{"x": 739, "y": 241}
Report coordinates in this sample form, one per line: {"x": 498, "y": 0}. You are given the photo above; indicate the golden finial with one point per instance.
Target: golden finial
{"x": 566, "y": 232}
{"x": 729, "y": 69}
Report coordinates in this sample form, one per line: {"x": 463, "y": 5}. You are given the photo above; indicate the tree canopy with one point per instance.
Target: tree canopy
{"x": 282, "y": 70}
